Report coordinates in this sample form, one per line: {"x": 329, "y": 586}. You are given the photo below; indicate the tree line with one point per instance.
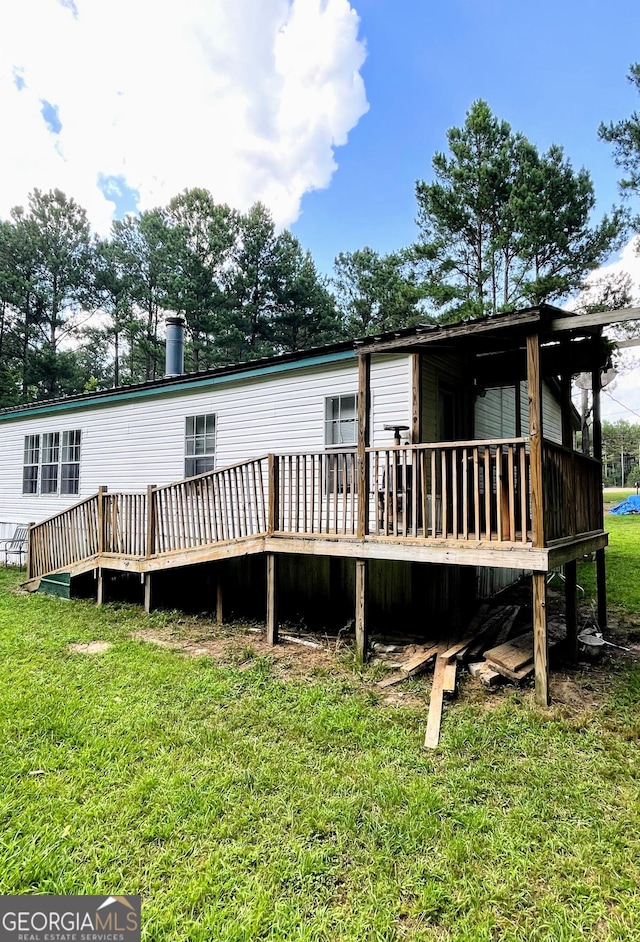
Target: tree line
{"x": 501, "y": 225}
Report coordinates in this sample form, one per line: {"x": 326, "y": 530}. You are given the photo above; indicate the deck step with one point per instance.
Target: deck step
{"x": 57, "y": 583}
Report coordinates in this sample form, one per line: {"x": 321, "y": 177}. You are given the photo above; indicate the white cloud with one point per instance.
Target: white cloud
{"x": 246, "y": 98}
{"x": 621, "y": 400}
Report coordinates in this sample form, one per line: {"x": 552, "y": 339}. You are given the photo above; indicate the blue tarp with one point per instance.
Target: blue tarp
{"x": 629, "y": 506}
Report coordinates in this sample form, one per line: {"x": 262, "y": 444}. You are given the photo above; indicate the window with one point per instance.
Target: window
{"x": 340, "y": 431}
{"x": 70, "y": 462}
{"x": 340, "y": 421}
{"x": 52, "y": 463}
{"x": 31, "y": 464}
{"x": 200, "y": 444}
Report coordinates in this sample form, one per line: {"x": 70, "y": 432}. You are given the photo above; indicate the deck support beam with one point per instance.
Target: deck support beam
{"x": 571, "y": 608}
{"x": 601, "y": 588}
{"x": 272, "y": 618}
{"x": 361, "y": 600}
{"x": 101, "y": 596}
{"x": 540, "y": 639}
{"x": 219, "y": 612}
{"x": 148, "y": 592}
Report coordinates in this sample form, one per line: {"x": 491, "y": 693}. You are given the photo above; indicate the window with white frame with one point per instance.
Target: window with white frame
{"x": 31, "y": 466}
{"x": 200, "y": 444}
{"x": 52, "y": 463}
{"x": 70, "y": 462}
{"x": 340, "y": 431}
{"x": 339, "y": 421}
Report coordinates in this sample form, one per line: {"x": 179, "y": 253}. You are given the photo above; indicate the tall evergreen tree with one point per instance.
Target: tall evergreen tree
{"x": 625, "y": 137}
{"x": 502, "y": 225}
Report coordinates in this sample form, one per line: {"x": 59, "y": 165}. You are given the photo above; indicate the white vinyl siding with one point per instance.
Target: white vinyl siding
{"x": 128, "y": 445}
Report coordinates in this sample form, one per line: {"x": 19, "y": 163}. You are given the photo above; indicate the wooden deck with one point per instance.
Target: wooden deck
{"x": 462, "y": 503}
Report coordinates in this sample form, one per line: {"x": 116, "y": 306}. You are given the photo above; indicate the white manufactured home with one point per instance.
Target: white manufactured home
{"x": 403, "y": 470}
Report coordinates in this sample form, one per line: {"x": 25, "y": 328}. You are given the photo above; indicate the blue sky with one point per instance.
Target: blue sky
{"x": 326, "y": 110}
{"x": 553, "y": 70}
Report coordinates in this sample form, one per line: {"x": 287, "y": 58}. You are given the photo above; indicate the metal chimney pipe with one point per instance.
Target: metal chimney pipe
{"x": 174, "y": 363}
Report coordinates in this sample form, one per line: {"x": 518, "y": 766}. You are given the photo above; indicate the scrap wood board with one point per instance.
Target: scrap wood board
{"x": 432, "y": 735}
{"x": 410, "y": 668}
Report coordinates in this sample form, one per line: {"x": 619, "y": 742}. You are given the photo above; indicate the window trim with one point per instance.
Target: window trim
{"x": 47, "y": 472}
{"x": 207, "y": 456}
{"x": 332, "y": 423}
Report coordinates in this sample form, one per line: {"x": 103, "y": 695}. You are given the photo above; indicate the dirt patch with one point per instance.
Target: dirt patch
{"x": 90, "y": 647}
{"x": 245, "y": 645}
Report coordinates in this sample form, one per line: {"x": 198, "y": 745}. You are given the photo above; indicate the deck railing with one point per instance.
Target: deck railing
{"x": 226, "y": 504}
{"x": 572, "y": 492}
{"x": 453, "y": 490}
{"x": 65, "y": 539}
{"x": 460, "y": 491}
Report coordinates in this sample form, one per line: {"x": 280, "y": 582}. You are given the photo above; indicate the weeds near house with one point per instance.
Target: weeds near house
{"x": 243, "y": 807}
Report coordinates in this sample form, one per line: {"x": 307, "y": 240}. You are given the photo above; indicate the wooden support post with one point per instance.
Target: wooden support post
{"x": 219, "y": 601}
{"x": 534, "y": 385}
{"x": 274, "y": 494}
{"x": 361, "y": 600}
{"x": 540, "y": 640}
{"x": 272, "y": 618}
{"x": 416, "y": 399}
{"x": 596, "y": 385}
{"x": 148, "y": 596}
{"x": 101, "y": 596}
{"x": 601, "y": 587}
{"x": 364, "y": 402}
{"x": 571, "y": 608}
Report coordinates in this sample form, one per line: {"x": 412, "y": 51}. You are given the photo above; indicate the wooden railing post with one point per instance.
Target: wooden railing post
{"x": 150, "y": 542}
{"x": 30, "y": 548}
{"x": 364, "y": 401}
{"x": 274, "y": 493}
{"x": 102, "y": 491}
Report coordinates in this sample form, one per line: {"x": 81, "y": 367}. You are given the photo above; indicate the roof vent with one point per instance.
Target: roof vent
{"x": 174, "y": 363}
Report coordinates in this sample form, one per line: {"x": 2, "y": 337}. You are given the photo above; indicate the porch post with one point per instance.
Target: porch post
{"x": 272, "y": 620}
{"x": 361, "y": 598}
{"x": 364, "y": 402}
{"x": 571, "y": 608}
{"x": 416, "y": 399}
{"x": 601, "y": 576}
{"x": 534, "y": 387}
{"x": 539, "y": 581}
{"x": 540, "y": 640}
{"x": 567, "y": 436}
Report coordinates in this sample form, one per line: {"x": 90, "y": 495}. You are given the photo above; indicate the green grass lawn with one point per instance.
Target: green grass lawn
{"x": 622, "y": 565}
{"x": 242, "y": 806}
